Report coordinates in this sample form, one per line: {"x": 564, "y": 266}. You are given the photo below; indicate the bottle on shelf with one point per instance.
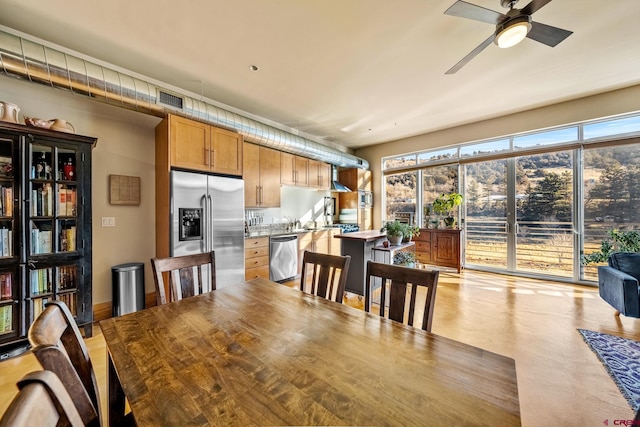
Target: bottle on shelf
{"x": 42, "y": 168}
{"x": 69, "y": 170}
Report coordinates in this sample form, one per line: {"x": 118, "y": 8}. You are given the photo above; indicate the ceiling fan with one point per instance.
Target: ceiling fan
{"x": 511, "y": 28}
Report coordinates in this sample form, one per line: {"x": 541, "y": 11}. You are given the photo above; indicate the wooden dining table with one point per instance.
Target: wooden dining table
{"x": 261, "y": 353}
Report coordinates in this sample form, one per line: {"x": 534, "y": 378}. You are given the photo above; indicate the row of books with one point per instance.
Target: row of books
{"x": 42, "y": 201}
{"x": 41, "y": 281}
{"x": 68, "y": 239}
{"x": 6, "y": 242}
{"x": 38, "y": 306}
{"x": 70, "y": 300}
{"x": 6, "y": 286}
{"x": 6, "y": 319}
{"x": 41, "y": 241}
{"x": 67, "y": 201}
{"x": 6, "y": 201}
{"x": 67, "y": 277}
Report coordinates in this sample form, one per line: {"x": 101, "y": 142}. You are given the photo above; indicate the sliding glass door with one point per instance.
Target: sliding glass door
{"x": 486, "y": 214}
{"x": 544, "y": 230}
{"x": 519, "y": 214}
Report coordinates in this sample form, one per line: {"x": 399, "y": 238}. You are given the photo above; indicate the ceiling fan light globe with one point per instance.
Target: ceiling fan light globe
{"x": 512, "y": 33}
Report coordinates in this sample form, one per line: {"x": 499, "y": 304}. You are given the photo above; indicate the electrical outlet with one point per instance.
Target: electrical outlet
{"x": 108, "y": 221}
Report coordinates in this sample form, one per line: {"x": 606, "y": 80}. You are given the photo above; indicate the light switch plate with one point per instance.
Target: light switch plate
{"x": 108, "y": 221}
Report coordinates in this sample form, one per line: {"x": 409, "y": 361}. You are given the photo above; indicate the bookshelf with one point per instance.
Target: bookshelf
{"x": 45, "y": 228}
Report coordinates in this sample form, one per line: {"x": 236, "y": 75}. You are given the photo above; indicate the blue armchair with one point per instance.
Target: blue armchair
{"x": 618, "y": 283}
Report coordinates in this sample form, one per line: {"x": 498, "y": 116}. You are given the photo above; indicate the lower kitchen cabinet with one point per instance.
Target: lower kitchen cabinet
{"x": 313, "y": 241}
{"x": 440, "y": 247}
{"x": 334, "y": 244}
{"x": 256, "y": 258}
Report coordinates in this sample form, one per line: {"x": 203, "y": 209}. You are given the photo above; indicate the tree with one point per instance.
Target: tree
{"x": 550, "y": 200}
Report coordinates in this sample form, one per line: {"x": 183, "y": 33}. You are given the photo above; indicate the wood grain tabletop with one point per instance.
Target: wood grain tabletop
{"x": 260, "y": 353}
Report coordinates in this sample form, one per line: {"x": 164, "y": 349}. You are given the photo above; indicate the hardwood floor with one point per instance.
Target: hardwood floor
{"x": 560, "y": 380}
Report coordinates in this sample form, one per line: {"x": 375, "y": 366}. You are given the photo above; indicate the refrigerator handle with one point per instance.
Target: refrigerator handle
{"x": 205, "y": 225}
{"x": 210, "y": 223}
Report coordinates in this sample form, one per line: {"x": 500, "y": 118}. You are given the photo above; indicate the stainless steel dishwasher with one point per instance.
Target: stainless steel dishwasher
{"x": 283, "y": 257}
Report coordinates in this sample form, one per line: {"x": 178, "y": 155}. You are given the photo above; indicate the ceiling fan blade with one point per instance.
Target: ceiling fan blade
{"x": 463, "y": 9}
{"x": 533, "y": 6}
{"x": 546, "y": 34}
{"x": 472, "y": 54}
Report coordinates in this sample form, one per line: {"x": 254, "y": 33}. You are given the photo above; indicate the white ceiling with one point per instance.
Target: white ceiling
{"x": 357, "y": 72}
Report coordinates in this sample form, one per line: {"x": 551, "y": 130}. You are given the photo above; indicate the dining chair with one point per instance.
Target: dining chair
{"x": 59, "y": 347}
{"x": 189, "y": 275}
{"x": 324, "y": 275}
{"x": 41, "y": 402}
{"x": 395, "y": 281}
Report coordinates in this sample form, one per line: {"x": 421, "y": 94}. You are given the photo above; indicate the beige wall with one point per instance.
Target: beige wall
{"x": 126, "y": 146}
{"x": 593, "y": 107}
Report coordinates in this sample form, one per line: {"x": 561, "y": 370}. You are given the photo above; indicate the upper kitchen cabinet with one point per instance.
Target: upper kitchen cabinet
{"x": 294, "y": 170}
{"x": 198, "y": 146}
{"x": 261, "y": 176}
{"x": 319, "y": 175}
{"x": 356, "y": 179}
{"x": 360, "y": 198}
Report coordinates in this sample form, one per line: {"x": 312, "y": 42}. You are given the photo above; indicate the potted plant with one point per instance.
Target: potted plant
{"x": 445, "y": 204}
{"x": 395, "y": 231}
{"x": 410, "y": 232}
{"x": 623, "y": 241}
{"x": 405, "y": 258}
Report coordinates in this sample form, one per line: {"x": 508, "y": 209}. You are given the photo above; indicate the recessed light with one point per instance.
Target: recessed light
{"x": 253, "y": 68}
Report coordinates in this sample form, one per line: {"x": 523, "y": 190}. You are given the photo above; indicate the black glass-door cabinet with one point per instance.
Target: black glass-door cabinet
{"x": 45, "y": 228}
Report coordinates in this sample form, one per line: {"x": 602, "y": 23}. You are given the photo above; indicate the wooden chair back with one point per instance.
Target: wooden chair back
{"x": 41, "y": 402}
{"x": 324, "y": 275}
{"x": 395, "y": 281}
{"x": 59, "y": 347}
{"x": 188, "y": 275}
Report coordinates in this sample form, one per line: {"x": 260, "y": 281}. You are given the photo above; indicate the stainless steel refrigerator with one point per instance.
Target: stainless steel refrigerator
{"x": 207, "y": 214}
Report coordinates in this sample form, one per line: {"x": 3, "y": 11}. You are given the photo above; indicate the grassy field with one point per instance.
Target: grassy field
{"x": 552, "y": 258}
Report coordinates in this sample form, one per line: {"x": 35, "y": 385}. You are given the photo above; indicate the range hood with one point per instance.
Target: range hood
{"x": 335, "y": 184}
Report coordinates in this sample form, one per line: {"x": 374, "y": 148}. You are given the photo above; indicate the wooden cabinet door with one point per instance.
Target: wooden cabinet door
{"x": 251, "y": 175}
{"x": 319, "y": 175}
{"x": 190, "y": 144}
{"x": 334, "y": 244}
{"x": 287, "y": 171}
{"x": 324, "y": 170}
{"x": 293, "y": 169}
{"x": 444, "y": 248}
{"x": 349, "y": 177}
{"x": 313, "y": 175}
{"x": 269, "y": 177}
{"x": 226, "y": 152}
{"x": 364, "y": 180}
{"x": 321, "y": 245}
{"x": 364, "y": 219}
{"x": 301, "y": 171}
{"x": 305, "y": 243}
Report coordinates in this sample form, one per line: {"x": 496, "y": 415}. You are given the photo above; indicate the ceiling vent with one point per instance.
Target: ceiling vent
{"x": 170, "y": 100}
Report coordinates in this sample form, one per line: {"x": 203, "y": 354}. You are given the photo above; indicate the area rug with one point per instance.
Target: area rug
{"x": 621, "y": 357}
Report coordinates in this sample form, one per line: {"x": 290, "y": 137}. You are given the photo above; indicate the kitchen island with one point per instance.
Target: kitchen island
{"x": 359, "y": 246}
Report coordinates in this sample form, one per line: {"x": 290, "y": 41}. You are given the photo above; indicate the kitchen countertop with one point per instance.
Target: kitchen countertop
{"x": 365, "y": 236}
{"x": 255, "y": 234}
